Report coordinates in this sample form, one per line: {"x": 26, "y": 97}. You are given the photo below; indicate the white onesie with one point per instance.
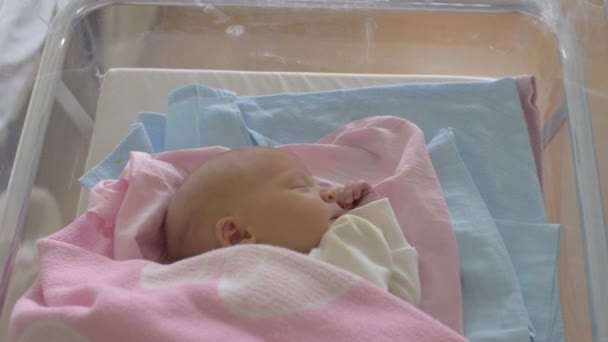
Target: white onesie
{"x": 369, "y": 243}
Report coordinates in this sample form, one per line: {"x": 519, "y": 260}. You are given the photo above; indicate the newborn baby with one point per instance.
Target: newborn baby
{"x": 268, "y": 196}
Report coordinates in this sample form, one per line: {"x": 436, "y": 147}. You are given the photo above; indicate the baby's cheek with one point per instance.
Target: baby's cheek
{"x": 322, "y": 228}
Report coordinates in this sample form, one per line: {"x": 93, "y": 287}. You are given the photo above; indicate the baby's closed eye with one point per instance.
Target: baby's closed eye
{"x": 299, "y": 187}
{"x": 299, "y": 181}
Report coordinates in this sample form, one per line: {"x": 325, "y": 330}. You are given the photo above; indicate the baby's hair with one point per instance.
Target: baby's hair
{"x": 211, "y": 192}
{"x": 177, "y": 229}
{"x": 190, "y": 217}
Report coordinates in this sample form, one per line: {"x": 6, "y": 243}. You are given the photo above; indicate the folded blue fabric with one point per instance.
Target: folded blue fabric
{"x": 154, "y": 125}
{"x": 202, "y": 116}
{"x": 136, "y": 140}
{"x": 534, "y": 250}
{"x": 493, "y": 304}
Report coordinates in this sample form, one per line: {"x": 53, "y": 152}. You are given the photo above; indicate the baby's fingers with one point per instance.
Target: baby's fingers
{"x": 359, "y": 190}
{"x": 340, "y": 197}
{"x": 348, "y": 195}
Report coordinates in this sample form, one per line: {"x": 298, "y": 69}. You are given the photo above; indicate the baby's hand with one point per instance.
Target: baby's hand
{"x": 356, "y": 194}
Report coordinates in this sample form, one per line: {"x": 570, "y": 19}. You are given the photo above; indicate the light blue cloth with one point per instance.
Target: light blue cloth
{"x": 198, "y": 117}
{"x": 154, "y": 124}
{"x": 492, "y": 140}
{"x": 493, "y": 304}
{"x": 136, "y": 140}
{"x": 534, "y": 250}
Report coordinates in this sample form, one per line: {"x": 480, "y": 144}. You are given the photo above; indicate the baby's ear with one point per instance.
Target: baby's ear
{"x": 228, "y": 232}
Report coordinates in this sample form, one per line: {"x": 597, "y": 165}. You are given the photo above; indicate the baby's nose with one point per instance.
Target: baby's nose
{"x": 329, "y": 195}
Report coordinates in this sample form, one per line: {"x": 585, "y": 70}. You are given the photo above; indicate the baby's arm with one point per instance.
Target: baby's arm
{"x": 355, "y": 245}
{"x": 404, "y": 280}
{"x": 368, "y": 242}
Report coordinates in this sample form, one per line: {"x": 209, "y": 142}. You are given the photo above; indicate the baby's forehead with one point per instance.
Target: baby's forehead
{"x": 246, "y": 165}
{"x": 273, "y": 160}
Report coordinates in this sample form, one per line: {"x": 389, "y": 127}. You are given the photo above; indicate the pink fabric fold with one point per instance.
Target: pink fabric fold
{"x": 102, "y": 277}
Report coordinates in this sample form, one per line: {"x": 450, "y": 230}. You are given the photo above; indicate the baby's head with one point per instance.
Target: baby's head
{"x": 250, "y": 195}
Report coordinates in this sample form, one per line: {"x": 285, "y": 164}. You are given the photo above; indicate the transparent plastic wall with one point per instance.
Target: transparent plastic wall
{"x": 564, "y": 45}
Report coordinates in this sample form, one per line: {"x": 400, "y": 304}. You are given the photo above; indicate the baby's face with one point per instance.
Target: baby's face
{"x": 253, "y": 195}
{"x": 289, "y": 209}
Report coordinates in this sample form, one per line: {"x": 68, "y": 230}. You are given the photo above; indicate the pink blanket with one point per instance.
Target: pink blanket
{"x": 102, "y": 277}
